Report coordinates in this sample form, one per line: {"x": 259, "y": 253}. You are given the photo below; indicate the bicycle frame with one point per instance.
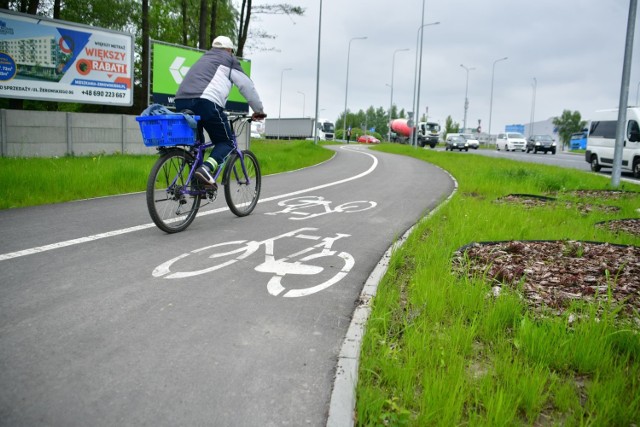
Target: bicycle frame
{"x": 200, "y": 149}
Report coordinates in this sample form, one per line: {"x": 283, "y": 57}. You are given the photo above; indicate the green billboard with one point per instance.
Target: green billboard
{"x": 170, "y": 64}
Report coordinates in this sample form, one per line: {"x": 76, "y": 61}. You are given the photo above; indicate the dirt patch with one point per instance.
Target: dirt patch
{"x": 616, "y": 226}
{"x": 532, "y": 200}
{"x": 556, "y": 273}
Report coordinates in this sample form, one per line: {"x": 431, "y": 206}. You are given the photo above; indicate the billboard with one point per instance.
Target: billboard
{"x": 54, "y": 60}
{"x": 170, "y": 65}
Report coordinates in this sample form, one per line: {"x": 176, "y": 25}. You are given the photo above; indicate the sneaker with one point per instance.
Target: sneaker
{"x": 203, "y": 174}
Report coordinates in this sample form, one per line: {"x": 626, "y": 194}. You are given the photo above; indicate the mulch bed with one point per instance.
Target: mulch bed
{"x": 532, "y": 200}
{"x": 553, "y": 274}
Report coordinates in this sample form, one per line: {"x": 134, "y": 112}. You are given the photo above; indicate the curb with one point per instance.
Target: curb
{"x": 343, "y": 396}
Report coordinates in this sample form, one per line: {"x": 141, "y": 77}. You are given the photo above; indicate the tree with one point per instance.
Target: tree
{"x": 202, "y": 25}
{"x": 450, "y": 127}
{"x": 567, "y": 124}
{"x": 246, "y": 9}
{"x": 142, "y": 97}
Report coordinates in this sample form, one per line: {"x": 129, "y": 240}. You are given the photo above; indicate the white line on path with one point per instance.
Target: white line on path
{"x": 113, "y": 233}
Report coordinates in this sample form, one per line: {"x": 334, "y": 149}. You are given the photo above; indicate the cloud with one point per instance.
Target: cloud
{"x": 573, "y": 48}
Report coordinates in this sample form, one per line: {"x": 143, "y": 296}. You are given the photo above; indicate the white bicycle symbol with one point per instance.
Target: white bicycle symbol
{"x": 296, "y": 206}
{"x": 295, "y": 264}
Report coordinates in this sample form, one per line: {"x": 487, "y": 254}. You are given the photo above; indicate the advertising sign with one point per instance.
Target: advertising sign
{"x": 170, "y": 65}
{"x": 53, "y": 60}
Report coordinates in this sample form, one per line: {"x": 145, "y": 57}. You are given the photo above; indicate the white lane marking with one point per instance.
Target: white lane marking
{"x": 92, "y": 238}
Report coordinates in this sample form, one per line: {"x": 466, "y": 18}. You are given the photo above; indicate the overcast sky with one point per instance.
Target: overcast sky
{"x": 573, "y": 48}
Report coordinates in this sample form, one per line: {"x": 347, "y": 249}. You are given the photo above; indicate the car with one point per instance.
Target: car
{"x": 255, "y": 134}
{"x": 511, "y": 141}
{"x": 472, "y": 140}
{"x": 368, "y": 139}
{"x": 543, "y": 143}
{"x": 456, "y": 142}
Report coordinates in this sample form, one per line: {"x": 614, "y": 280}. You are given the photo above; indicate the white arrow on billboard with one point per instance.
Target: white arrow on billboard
{"x": 177, "y": 70}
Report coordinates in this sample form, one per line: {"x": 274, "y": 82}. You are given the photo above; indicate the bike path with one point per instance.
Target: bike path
{"x": 89, "y": 335}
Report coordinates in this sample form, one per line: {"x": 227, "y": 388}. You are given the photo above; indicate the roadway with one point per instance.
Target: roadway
{"x": 107, "y": 321}
{"x": 561, "y": 158}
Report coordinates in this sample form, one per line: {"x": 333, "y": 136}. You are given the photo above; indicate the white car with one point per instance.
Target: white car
{"x": 255, "y": 134}
{"x": 511, "y": 141}
{"x": 472, "y": 140}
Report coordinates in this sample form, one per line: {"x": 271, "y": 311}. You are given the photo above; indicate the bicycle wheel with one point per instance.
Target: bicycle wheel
{"x": 242, "y": 185}
{"x": 171, "y": 209}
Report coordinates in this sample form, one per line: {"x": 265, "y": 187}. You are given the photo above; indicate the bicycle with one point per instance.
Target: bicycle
{"x": 173, "y": 192}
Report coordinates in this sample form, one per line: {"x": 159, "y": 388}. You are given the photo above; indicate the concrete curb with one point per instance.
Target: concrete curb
{"x": 343, "y": 396}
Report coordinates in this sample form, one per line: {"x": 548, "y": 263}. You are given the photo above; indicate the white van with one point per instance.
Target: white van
{"x": 511, "y": 141}
{"x": 602, "y": 140}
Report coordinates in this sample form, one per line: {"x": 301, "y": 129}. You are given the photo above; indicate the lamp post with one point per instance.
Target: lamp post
{"x": 491, "y": 101}
{"x": 303, "y": 102}
{"x": 346, "y": 90}
{"x": 466, "y": 99}
{"x": 280, "y": 107}
{"x": 417, "y": 75}
{"x": 393, "y": 63}
{"x": 315, "y": 128}
{"x": 533, "y": 105}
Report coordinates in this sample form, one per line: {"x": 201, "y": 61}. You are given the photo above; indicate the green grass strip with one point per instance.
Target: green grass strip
{"x": 38, "y": 181}
{"x": 440, "y": 350}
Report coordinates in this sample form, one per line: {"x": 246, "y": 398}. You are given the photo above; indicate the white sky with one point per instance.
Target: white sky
{"x": 573, "y": 48}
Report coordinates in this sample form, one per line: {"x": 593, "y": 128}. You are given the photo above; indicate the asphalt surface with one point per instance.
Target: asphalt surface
{"x": 107, "y": 321}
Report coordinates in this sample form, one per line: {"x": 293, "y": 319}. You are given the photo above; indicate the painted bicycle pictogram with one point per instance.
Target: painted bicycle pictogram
{"x": 319, "y": 260}
{"x": 307, "y": 207}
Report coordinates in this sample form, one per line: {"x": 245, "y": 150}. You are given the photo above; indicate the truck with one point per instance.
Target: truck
{"x": 601, "y": 141}
{"x": 428, "y": 132}
{"x": 298, "y": 128}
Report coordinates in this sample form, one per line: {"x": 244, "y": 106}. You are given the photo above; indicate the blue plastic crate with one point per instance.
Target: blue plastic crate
{"x": 166, "y": 130}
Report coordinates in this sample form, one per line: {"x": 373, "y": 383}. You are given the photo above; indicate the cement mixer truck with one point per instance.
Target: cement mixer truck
{"x": 428, "y": 132}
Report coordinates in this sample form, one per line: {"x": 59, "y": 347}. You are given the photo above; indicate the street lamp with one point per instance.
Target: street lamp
{"x": 491, "y": 101}
{"x": 303, "y": 102}
{"x": 280, "y": 107}
{"x": 466, "y": 99}
{"x": 393, "y": 63}
{"x": 315, "y": 127}
{"x": 417, "y": 75}
{"x": 346, "y": 90}
{"x": 533, "y": 105}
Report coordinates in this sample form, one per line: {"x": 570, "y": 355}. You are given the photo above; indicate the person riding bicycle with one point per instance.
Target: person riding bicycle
{"x": 204, "y": 91}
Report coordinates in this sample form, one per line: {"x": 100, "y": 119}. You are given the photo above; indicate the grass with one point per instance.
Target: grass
{"x": 38, "y": 181}
{"x": 438, "y": 350}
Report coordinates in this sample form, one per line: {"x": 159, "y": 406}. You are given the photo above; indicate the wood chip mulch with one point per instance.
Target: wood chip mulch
{"x": 532, "y": 200}
{"x": 553, "y": 274}
{"x": 556, "y": 273}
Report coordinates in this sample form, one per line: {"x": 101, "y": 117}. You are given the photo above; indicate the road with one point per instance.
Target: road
{"x": 107, "y": 321}
{"x": 561, "y": 158}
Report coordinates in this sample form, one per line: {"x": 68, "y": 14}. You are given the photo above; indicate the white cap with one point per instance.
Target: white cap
{"x": 223, "y": 42}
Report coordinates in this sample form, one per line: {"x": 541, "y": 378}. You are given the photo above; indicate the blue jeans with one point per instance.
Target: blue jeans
{"x": 214, "y": 120}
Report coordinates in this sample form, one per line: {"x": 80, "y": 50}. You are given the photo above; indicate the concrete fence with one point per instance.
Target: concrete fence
{"x": 50, "y": 133}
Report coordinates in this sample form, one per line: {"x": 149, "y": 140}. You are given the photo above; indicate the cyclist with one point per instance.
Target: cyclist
{"x": 205, "y": 89}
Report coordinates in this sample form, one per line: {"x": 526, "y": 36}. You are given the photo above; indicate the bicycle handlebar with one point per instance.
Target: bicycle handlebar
{"x": 254, "y": 117}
